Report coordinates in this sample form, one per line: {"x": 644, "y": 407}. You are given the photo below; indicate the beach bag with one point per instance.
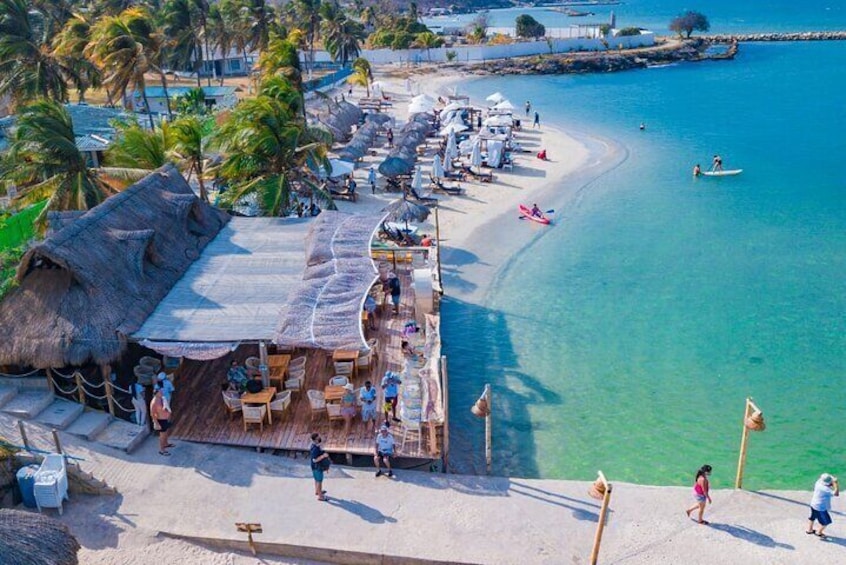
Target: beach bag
{"x": 325, "y": 464}
{"x": 254, "y": 386}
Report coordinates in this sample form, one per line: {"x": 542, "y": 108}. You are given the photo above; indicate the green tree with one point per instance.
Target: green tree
{"x": 222, "y": 32}
{"x": 427, "y": 40}
{"x": 141, "y": 148}
{"x": 192, "y": 102}
{"x": 69, "y": 47}
{"x": 47, "y": 163}
{"x": 282, "y": 58}
{"x": 308, "y": 12}
{"x": 183, "y": 36}
{"x": 269, "y": 151}
{"x": 362, "y": 74}
{"x": 28, "y": 69}
{"x": 686, "y": 23}
{"x": 340, "y": 34}
{"x": 529, "y": 27}
{"x": 190, "y": 135}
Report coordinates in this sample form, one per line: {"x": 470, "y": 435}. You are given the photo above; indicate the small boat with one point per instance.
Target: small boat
{"x": 526, "y": 212}
{"x": 725, "y": 173}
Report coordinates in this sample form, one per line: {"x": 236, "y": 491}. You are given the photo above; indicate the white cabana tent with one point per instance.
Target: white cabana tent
{"x": 496, "y": 98}
{"x": 504, "y": 105}
{"x": 452, "y": 127}
{"x": 341, "y": 167}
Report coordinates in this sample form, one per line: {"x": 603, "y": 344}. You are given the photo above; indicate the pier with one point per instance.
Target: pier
{"x": 793, "y": 36}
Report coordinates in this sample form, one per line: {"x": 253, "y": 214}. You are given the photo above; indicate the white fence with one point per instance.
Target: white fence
{"x": 466, "y": 53}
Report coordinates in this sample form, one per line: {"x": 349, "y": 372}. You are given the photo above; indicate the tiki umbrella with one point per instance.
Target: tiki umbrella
{"x": 34, "y": 539}
{"x": 405, "y": 211}
{"x": 437, "y": 169}
{"x": 393, "y": 166}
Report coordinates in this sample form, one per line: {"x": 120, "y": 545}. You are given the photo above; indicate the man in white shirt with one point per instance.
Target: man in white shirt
{"x": 826, "y": 487}
{"x": 367, "y": 395}
{"x": 384, "y": 450}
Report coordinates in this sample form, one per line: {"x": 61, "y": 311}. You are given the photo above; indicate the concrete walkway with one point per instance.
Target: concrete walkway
{"x": 203, "y": 490}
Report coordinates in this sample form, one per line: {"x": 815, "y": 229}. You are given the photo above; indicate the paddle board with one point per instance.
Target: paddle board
{"x": 726, "y": 173}
{"x": 526, "y": 212}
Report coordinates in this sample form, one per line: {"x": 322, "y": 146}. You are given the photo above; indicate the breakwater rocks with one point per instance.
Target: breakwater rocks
{"x": 799, "y": 36}
{"x": 670, "y": 52}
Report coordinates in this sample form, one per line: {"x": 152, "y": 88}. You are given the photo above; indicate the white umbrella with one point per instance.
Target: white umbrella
{"x": 451, "y": 148}
{"x": 476, "y": 156}
{"x": 341, "y": 168}
{"x": 437, "y": 169}
{"x": 447, "y": 163}
{"x": 451, "y": 107}
{"x": 453, "y": 128}
{"x": 498, "y": 121}
{"x": 504, "y": 105}
{"x": 418, "y": 108}
{"x": 417, "y": 183}
{"x": 496, "y": 98}
{"x": 424, "y": 98}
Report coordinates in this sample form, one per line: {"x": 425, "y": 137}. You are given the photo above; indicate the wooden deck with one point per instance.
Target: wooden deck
{"x": 199, "y": 413}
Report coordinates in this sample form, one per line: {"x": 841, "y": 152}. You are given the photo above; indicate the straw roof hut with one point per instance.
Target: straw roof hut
{"x": 27, "y": 538}
{"x": 95, "y": 280}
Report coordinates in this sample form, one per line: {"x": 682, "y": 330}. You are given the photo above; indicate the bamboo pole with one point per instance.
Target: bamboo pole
{"x": 23, "y": 435}
{"x": 51, "y": 386}
{"x": 57, "y": 442}
{"x": 603, "y": 513}
{"x": 80, "y": 387}
{"x": 110, "y": 397}
{"x": 488, "y": 431}
{"x": 438, "y": 250}
{"x": 744, "y": 442}
{"x": 445, "y": 387}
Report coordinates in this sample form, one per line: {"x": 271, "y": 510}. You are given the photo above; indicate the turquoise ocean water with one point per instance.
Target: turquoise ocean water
{"x": 627, "y": 336}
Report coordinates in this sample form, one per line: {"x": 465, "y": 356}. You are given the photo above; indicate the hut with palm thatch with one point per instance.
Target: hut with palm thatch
{"x": 27, "y": 538}
{"x": 96, "y": 278}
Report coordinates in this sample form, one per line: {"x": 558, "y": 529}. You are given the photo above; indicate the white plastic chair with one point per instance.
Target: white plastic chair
{"x": 281, "y": 401}
{"x": 339, "y": 380}
{"x": 254, "y": 415}
{"x": 51, "y": 482}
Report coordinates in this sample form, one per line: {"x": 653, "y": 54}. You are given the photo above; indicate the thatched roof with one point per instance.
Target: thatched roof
{"x": 87, "y": 286}
{"x": 27, "y": 538}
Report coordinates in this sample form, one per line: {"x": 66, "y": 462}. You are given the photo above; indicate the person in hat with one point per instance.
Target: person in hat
{"x": 348, "y": 407}
{"x": 384, "y": 450}
{"x": 390, "y": 384}
{"x": 701, "y": 493}
{"x": 161, "y": 415}
{"x": 367, "y": 395}
{"x": 395, "y": 288}
{"x": 319, "y": 463}
{"x": 167, "y": 387}
{"x": 825, "y": 487}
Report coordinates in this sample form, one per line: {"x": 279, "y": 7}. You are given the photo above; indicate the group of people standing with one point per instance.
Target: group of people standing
{"x": 825, "y": 489}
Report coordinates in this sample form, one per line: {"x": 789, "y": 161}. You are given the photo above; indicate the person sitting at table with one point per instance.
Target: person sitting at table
{"x": 229, "y": 390}
{"x": 367, "y": 394}
{"x": 237, "y": 376}
{"x": 426, "y": 240}
{"x": 348, "y": 407}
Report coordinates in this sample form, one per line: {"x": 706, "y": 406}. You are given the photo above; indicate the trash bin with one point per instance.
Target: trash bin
{"x": 26, "y": 483}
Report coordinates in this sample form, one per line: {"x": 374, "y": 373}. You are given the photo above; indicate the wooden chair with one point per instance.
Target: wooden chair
{"x": 254, "y": 415}
{"x": 344, "y": 368}
{"x": 295, "y": 380}
{"x": 231, "y": 403}
{"x": 281, "y": 402}
{"x": 366, "y": 360}
{"x": 297, "y": 363}
{"x": 316, "y": 401}
{"x": 334, "y": 412}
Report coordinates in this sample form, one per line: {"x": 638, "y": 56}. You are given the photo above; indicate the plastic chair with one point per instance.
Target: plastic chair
{"x": 51, "y": 482}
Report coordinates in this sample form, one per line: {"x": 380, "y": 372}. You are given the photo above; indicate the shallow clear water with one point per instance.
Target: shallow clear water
{"x": 627, "y": 336}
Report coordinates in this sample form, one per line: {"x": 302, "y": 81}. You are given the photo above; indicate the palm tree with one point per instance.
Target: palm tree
{"x": 260, "y": 17}
{"x": 340, "y": 34}
{"x": 48, "y": 163}
{"x": 69, "y": 46}
{"x": 201, "y": 9}
{"x": 362, "y": 74}
{"x": 309, "y": 14}
{"x": 427, "y": 40}
{"x": 269, "y": 150}
{"x": 183, "y": 36}
{"x": 28, "y": 69}
{"x": 222, "y": 33}
{"x": 126, "y": 47}
{"x": 140, "y": 148}
{"x": 190, "y": 134}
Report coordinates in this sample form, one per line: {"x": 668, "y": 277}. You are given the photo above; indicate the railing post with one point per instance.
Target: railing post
{"x": 57, "y": 442}
{"x": 110, "y": 397}
{"x": 445, "y": 392}
{"x": 51, "y": 386}
{"x": 488, "y": 431}
{"x": 603, "y": 514}
{"x": 80, "y": 387}
{"x": 23, "y": 434}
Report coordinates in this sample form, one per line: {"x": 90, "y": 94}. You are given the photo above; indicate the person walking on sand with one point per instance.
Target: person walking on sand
{"x": 371, "y": 178}
{"x": 717, "y": 164}
{"x": 536, "y": 123}
{"x": 319, "y": 463}
{"x": 528, "y": 108}
{"x": 701, "y": 492}
{"x": 825, "y": 487}
{"x": 161, "y": 415}
{"x": 390, "y": 136}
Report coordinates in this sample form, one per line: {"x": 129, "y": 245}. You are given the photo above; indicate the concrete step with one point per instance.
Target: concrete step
{"x": 60, "y": 414}
{"x": 7, "y": 393}
{"x": 28, "y": 403}
{"x": 123, "y": 435}
{"x": 89, "y": 424}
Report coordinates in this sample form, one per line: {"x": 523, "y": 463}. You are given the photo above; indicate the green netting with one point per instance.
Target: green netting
{"x": 18, "y": 229}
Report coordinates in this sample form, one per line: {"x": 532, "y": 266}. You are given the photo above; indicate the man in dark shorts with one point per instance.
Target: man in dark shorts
{"x": 826, "y": 487}
{"x": 318, "y": 459}
{"x": 384, "y": 450}
{"x": 160, "y": 414}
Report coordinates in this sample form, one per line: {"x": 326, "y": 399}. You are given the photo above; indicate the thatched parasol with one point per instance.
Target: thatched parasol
{"x": 27, "y": 538}
{"x": 394, "y": 166}
{"x": 406, "y": 211}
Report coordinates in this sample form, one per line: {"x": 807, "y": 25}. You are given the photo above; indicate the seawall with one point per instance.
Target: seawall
{"x": 798, "y": 36}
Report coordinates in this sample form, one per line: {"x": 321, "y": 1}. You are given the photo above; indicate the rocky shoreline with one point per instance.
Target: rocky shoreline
{"x": 692, "y": 50}
{"x": 799, "y": 36}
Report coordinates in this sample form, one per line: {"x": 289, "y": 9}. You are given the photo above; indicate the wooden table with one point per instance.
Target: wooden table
{"x": 264, "y": 397}
{"x": 347, "y": 355}
{"x": 277, "y": 366}
{"x": 333, "y": 393}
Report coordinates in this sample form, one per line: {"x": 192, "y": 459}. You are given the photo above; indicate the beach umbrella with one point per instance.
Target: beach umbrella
{"x": 341, "y": 168}
{"x": 496, "y": 98}
{"x": 498, "y": 121}
{"x": 393, "y": 166}
{"x": 451, "y": 148}
{"x": 452, "y": 127}
{"x": 419, "y": 108}
{"x": 476, "y": 156}
{"x": 423, "y": 98}
{"x": 417, "y": 183}
{"x": 447, "y": 163}
{"x": 405, "y": 211}
{"x": 437, "y": 168}
{"x": 377, "y": 118}
{"x": 451, "y": 107}
{"x": 504, "y": 105}
{"x": 29, "y": 537}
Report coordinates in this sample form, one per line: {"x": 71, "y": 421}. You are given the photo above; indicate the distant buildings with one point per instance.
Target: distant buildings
{"x": 215, "y": 97}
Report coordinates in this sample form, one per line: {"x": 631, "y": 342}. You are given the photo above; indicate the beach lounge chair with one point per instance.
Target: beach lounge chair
{"x": 343, "y": 194}
{"x": 231, "y": 403}
{"x": 254, "y": 415}
{"x": 425, "y": 200}
{"x": 482, "y": 177}
{"x": 437, "y": 185}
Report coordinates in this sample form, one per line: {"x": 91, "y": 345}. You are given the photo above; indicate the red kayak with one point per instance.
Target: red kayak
{"x": 526, "y": 212}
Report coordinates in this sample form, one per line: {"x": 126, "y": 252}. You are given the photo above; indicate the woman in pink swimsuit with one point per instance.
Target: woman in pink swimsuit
{"x": 701, "y": 492}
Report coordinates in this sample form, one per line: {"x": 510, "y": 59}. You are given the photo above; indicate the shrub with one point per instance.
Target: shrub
{"x": 627, "y": 31}
{"x": 529, "y": 27}
{"x": 451, "y": 56}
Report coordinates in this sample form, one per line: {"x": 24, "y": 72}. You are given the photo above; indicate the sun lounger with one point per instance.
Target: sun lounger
{"x": 438, "y": 186}
{"x": 343, "y": 195}
{"x": 425, "y": 200}
{"x": 483, "y": 177}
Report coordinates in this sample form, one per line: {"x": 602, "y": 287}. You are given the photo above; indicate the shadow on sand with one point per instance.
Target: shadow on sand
{"x": 746, "y": 534}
